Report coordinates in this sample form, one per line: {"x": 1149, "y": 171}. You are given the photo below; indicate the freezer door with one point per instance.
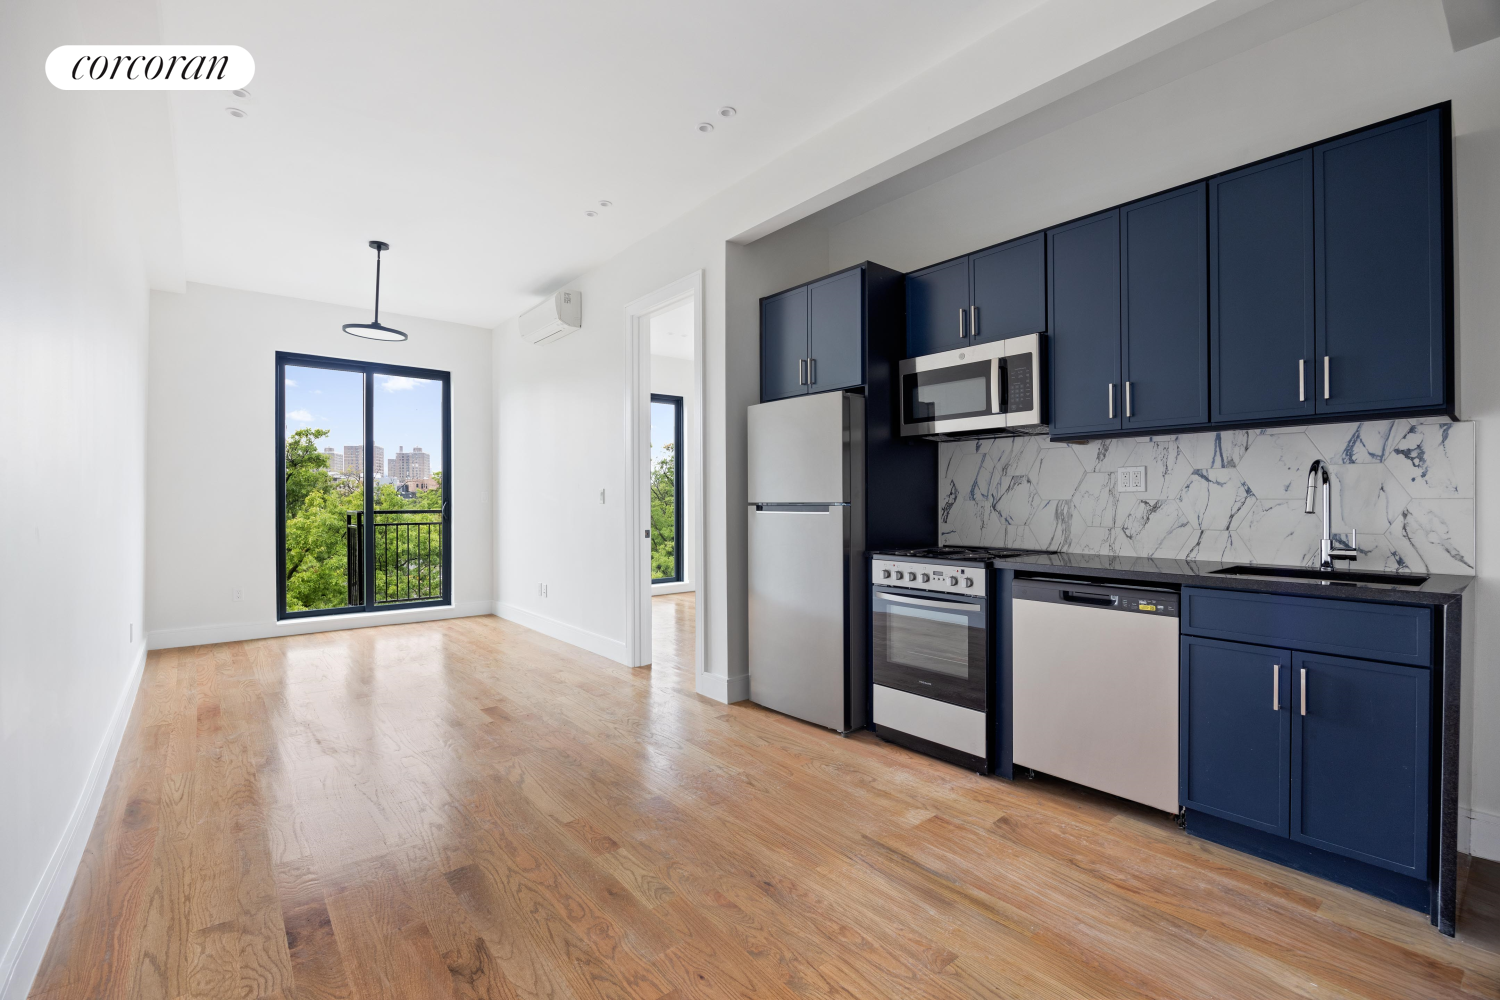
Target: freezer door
{"x": 796, "y": 449}
{"x": 797, "y": 595}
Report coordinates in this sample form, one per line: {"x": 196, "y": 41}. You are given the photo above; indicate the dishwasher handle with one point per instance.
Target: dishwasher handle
{"x": 1084, "y": 597}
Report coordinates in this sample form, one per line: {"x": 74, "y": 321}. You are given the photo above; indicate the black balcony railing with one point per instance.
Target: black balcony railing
{"x": 408, "y": 554}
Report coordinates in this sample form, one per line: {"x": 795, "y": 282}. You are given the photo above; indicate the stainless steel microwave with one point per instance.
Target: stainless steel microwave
{"x": 990, "y": 387}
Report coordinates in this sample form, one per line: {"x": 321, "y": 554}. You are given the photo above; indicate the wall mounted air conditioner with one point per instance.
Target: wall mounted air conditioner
{"x": 554, "y": 319}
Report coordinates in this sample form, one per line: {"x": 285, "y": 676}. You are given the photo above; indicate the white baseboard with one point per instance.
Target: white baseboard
{"x": 204, "y": 635}
{"x": 571, "y": 634}
{"x": 720, "y": 688}
{"x": 23, "y": 955}
{"x": 1484, "y": 834}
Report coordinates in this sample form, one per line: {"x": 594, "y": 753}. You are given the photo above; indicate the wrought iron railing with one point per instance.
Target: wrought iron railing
{"x": 408, "y": 554}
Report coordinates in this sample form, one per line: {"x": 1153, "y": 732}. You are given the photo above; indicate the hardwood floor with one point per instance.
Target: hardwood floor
{"x": 469, "y": 809}
{"x": 673, "y": 631}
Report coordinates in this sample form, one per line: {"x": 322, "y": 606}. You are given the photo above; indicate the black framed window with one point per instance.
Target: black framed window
{"x": 363, "y": 486}
{"x": 666, "y": 489}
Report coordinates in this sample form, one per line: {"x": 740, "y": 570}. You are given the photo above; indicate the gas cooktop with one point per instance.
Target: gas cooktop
{"x": 966, "y": 553}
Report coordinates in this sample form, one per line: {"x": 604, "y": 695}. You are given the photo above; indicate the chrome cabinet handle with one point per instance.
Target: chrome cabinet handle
{"x": 1304, "y": 691}
{"x": 801, "y": 371}
{"x": 973, "y": 323}
{"x": 812, "y": 371}
{"x": 1301, "y": 380}
{"x": 962, "y": 314}
{"x": 1275, "y": 687}
{"x": 1127, "y": 400}
{"x": 1325, "y": 376}
{"x": 1111, "y": 401}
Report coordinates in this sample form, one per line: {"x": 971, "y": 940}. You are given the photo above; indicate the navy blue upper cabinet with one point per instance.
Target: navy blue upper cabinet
{"x": 1235, "y": 706}
{"x": 1382, "y": 243}
{"x": 1260, "y": 231}
{"x": 1083, "y": 310}
{"x": 835, "y": 334}
{"x": 783, "y": 345}
{"x": 1008, "y": 290}
{"x": 937, "y": 308}
{"x": 1360, "y": 760}
{"x": 1164, "y": 310}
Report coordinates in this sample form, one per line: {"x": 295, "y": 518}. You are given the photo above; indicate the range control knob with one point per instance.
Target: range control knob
{"x": 968, "y": 581}
{"x": 885, "y": 574}
{"x": 926, "y": 578}
{"x": 900, "y": 575}
{"x": 953, "y": 581}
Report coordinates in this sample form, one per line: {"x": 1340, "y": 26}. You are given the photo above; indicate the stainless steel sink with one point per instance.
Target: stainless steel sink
{"x": 1349, "y": 576}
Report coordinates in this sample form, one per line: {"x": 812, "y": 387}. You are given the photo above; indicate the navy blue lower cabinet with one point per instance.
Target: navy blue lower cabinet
{"x": 1236, "y": 717}
{"x": 1360, "y": 757}
{"x": 937, "y": 308}
{"x": 836, "y": 332}
{"x": 783, "y": 345}
{"x": 1083, "y": 310}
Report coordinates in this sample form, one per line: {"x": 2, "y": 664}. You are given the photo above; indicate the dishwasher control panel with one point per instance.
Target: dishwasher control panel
{"x": 1083, "y": 594}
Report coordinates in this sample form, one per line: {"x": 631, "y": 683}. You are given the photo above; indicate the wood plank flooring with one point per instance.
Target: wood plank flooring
{"x": 469, "y": 809}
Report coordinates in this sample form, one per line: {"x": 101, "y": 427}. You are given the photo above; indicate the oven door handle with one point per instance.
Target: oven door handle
{"x": 947, "y": 605}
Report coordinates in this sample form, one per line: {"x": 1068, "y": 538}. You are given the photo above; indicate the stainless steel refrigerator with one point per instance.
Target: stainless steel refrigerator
{"x": 807, "y": 565}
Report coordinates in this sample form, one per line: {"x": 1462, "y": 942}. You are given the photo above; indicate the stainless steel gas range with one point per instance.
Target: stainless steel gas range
{"x": 932, "y": 651}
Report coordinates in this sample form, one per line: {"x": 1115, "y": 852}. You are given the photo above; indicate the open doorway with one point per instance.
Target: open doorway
{"x": 665, "y": 448}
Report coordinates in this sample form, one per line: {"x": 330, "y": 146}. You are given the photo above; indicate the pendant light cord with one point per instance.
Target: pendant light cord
{"x": 377, "y": 287}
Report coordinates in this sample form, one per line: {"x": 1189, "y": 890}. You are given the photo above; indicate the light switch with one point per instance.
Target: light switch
{"x": 1132, "y": 479}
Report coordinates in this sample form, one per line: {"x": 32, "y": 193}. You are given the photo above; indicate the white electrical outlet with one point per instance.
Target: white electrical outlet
{"x": 541, "y": 590}
{"x": 237, "y": 593}
{"x": 1132, "y": 479}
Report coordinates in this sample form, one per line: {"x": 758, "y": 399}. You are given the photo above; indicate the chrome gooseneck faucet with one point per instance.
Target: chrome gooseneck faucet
{"x": 1328, "y": 551}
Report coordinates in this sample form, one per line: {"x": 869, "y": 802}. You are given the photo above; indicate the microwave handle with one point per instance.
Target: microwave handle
{"x": 997, "y": 377}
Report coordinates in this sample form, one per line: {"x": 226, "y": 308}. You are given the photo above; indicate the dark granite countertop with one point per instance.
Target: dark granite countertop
{"x": 1195, "y": 573}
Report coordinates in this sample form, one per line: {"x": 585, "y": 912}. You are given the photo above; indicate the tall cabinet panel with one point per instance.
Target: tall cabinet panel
{"x": 1083, "y": 307}
{"x": 1164, "y": 310}
{"x": 1381, "y": 250}
{"x": 1008, "y": 290}
{"x": 1260, "y": 232}
{"x": 783, "y": 345}
{"x": 836, "y": 332}
{"x": 937, "y": 308}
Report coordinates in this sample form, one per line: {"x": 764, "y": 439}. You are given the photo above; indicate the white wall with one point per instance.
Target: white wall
{"x": 212, "y": 451}
{"x": 74, "y": 266}
{"x": 672, "y": 376}
{"x": 1373, "y": 61}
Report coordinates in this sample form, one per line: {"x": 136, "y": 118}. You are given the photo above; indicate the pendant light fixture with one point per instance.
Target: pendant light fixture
{"x": 375, "y": 331}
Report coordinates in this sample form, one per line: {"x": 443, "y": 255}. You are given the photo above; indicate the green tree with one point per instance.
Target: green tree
{"x": 306, "y": 468}
{"x": 664, "y": 515}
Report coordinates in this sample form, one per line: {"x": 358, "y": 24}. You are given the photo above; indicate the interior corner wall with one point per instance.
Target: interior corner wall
{"x": 1372, "y": 61}
{"x": 73, "y": 346}
{"x": 211, "y": 501}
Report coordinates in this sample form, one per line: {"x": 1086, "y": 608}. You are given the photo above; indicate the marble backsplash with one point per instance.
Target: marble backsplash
{"x": 1406, "y": 487}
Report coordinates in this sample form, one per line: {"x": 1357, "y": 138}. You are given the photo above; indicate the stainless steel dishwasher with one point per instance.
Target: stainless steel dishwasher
{"x": 1094, "y": 686}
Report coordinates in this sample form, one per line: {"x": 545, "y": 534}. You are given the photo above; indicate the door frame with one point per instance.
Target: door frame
{"x": 637, "y": 422}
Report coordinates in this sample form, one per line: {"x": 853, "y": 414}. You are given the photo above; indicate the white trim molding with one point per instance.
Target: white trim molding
{"x": 204, "y": 635}
{"x": 685, "y": 587}
{"x": 23, "y": 956}
{"x": 1484, "y": 834}
{"x": 614, "y": 649}
{"x": 727, "y": 690}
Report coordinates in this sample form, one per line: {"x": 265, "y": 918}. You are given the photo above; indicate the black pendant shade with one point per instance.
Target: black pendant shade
{"x": 375, "y": 330}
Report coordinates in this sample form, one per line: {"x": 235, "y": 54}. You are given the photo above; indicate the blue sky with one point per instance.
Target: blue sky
{"x": 663, "y": 429}
{"x": 408, "y": 411}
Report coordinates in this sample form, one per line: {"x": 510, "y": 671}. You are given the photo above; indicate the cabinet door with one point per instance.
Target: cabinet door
{"x": 1381, "y": 239}
{"x": 1083, "y": 309}
{"x": 1260, "y": 292}
{"x": 835, "y": 333}
{"x": 1235, "y": 730}
{"x": 937, "y": 304}
{"x": 1359, "y": 760}
{"x": 783, "y": 345}
{"x": 1165, "y": 309}
{"x": 1009, "y": 290}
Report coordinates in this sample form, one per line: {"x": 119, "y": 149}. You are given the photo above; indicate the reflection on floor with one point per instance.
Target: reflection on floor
{"x": 673, "y": 630}
{"x": 467, "y": 808}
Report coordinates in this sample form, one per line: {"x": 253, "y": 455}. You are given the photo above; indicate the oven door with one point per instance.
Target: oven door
{"x": 931, "y": 646}
{"x": 944, "y": 397}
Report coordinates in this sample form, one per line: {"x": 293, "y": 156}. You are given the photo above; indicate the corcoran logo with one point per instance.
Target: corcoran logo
{"x": 150, "y": 67}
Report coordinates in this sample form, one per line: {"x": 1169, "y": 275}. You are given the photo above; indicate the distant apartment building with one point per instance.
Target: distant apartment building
{"x": 335, "y": 461}
{"x": 354, "y": 459}
{"x": 408, "y": 465}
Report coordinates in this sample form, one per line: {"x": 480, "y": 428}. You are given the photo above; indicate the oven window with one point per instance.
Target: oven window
{"x": 945, "y": 393}
{"x": 928, "y": 640}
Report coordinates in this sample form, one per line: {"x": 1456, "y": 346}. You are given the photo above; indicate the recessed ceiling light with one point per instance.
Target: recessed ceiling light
{"x": 591, "y": 213}
{"x": 237, "y": 113}
{"x": 605, "y": 204}
{"x": 240, "y": 93}
{"x": 727, "y": 112}
{"x": 705, "y": 126}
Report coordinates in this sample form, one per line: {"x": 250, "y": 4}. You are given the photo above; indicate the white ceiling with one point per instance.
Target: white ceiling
{"x": 672, "y": 331}
{"x": 472, "y": 136}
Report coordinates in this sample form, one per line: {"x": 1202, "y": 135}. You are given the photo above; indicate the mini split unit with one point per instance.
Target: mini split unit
{"x": 554, "y": 319}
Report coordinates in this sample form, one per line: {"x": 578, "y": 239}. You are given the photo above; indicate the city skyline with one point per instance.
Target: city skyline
{"x": 407, "y": 411}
